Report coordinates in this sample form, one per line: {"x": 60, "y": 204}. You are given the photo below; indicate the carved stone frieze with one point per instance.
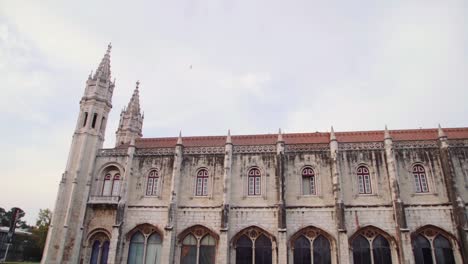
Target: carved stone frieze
{"x": 458, "y": 143}
{"x": 112, "y": 152}
{"x": 154, "y": 152}
{"x": 361, "y": 146}
{"x": 204, "y": 150}
{"x": 307, "y": 147}
{"x": 255, "y": 149}
{"x": 415, "y": 144}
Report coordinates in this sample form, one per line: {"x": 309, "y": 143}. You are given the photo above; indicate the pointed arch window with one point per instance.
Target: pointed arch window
{"x": 420, "y": 179}
{"x": 99, "y": 248}
{"x": 116, "y": 185}
{"x": 431, "y": 246}
{"x": 370, "y": 247}
{"x": 152, "y": 184}
{"x": 309, "y": 184}
{"x": 198, "y": 247}
{"x": 144, "y": 249}
{"x": 364, "y": 180}
{"x": 254, "y": 181}
{"x": 311, "y": 246}
{"x": 254, "y": 247}
{"x": 202, "y": 183}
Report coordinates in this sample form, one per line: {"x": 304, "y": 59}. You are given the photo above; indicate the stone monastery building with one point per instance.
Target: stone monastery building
{"x": 378, "y": 197}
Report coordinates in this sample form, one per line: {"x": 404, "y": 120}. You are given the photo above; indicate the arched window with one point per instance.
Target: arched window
{"x": 371, "y": 247}
{"x": 99, "y": 243}
{"x": 253, "y": 246}
{"x": 202, "y": 183}
{"x": 311, "y": 246}
{"x": 364, "y": 180}
{"x": 198, "y": 246}
{"x": 420, "y": 179}
{"x": 152, "y": 184}
{"x": 430, "y": 240}
{"x": 116, "y": 185}
{"x": 107, "y": 187}
{"x": 308, "y": 182}
{"x": 111, "y": 184}
{"x": 144, "y": 249}
{"x": 254, "y": 180}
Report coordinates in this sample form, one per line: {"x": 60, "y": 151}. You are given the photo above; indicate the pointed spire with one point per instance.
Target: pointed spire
{"x": 179, "y": 139}
{"x": 387, "y": 133}
{"x": 332, "y": 134}
{"x": 441, "y": 132}
{"x": 134, "y": 104}
{"x": 103, "y": 70}
{"x": 228, "y": 137}
{"x": 280, "y": 136}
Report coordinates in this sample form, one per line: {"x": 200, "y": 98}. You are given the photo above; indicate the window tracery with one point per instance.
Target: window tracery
{"x": 420, "y": 179}
{"x": 309, "y": 183}
{"x": 431, "y": 245}
{"x": 152, "y": 183}
{"x": 198, "y": 246}
{"x": 370, "y": 246}
{"x": 254, "y": 182}
{"x": 145, "y": 245}
{"x": 253, "y": 246}
{"x": 202, "y": 183}
{"x": 311, "y": 245}
{"x": 364, "y": 180}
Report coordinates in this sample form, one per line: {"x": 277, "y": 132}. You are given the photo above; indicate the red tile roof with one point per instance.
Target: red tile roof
{"x": 303, "y": 138}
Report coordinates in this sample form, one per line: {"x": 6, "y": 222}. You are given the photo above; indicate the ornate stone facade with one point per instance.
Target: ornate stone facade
{"x": 368, "y": 197}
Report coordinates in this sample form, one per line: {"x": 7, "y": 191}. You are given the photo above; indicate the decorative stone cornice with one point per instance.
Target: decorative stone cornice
{"x": 255, "y": 149}
{"x": 415, "y": 144}
{"x": 155, "y": 152}
{"x": 307, "y": 147}
{"x": 204, "y": 150}
{"x": 112, "y": 152}
{"x": 361, "y": 146}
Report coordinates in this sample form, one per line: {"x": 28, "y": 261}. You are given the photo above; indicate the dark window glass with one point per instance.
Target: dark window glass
{"x": 443, "y": 251}
{"x": 381, "y": 250}
{"x": 244, "y": 250}
{"x": 104, "y": 252}
{"x": 361, "y": 250}
{"x": 322, "y": 254}
{"x": 189, "y": 250}
{"x": 95, "y": 252}
{"x": 422, "y": 250}
{"x": 207, "y": 250}
{"x": 263, "y": 250}
{"x": 93, "y": 124}
{"x": 153, "y": 246}
{"x": 135, "y": 253}
{"x": 85, "y": 119}
{"x": 302, "y": 251}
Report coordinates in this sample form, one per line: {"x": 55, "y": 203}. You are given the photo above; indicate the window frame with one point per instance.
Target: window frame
{"x": 256, "y": 182}
{"x": 155, "y": 188}
{"x": 417, "y": 177}
{"x": 363, "y": 187}
{"x": 311, "y": 177}
{"x": 199, "y": 232}
{"x": 203, "y": 176}
{"x": 370, "y": 234}
{"x": 146, "y": 236}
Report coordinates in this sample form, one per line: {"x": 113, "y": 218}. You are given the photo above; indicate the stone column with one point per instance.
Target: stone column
{"x": 401, "y": 228}
{"x": 282, "y": 237}
{"x": 342, "y": 239}
{"x": 169, "y": 246}
{"x": 117, "y": 241}
{"x": 459, "y": 214}
{"x": 223, "y": 245}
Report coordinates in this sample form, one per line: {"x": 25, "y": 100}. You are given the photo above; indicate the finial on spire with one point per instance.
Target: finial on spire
{"x": 228, "y": 137}
{"x": 109, "y": 47}
{"x": 332, "y": 134}
{"x": 387, "y": 133}
{"x": 137, "y": 84}
{"x": 179, "y": 140}
{"x": 280, "y": 136}
{"x": 441, "y": 132}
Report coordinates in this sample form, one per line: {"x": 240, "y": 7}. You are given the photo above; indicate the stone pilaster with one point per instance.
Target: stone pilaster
{"x": 401, "y": 229}
{"x": 282, "y": 227}
{"x": 223, "y": 251}
{"x": 459, "y": 214}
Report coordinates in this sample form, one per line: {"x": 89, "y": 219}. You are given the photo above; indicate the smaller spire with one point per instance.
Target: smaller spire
{"x": 441, "y": 132}
{"x": 109, "y": 47}
{"x": 332, "y": 134}
{"x": 387, "y": 133}
{"x": 280, "y": 136}
{"x": 179, "y": 139}
{"x": 228, "y": 137}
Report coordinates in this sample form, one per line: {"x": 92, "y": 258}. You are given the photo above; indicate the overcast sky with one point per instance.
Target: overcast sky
{"x": 207, "y": 66}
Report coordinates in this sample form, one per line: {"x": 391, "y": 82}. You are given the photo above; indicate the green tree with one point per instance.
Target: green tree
{"x": 5, "y": 218}
{"x": 42, "y": 227}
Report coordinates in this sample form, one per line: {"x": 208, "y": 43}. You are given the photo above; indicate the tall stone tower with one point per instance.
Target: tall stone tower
{"x": 131, "y": 120}
{"x": 65, "y": 232}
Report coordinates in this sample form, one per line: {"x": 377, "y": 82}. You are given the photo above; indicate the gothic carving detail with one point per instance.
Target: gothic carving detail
{"x": 415, "y": 144}
{"x": 255, "y": 149}
{"x": 458, "y": 143}
{"x": 112, "y": 152}
{"x": 306, "y": 147}
{"x": 154, "y": 152}
{"x": 204, "y": 150}
{"x": 361, "y": 145}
